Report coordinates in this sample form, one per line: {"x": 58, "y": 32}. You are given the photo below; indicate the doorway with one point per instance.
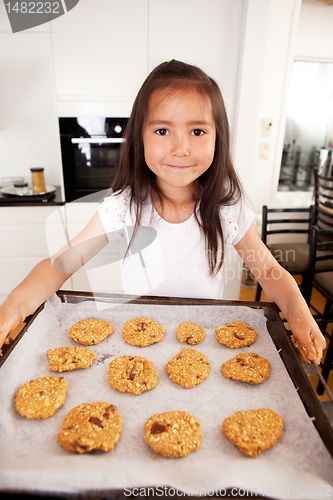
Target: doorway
{"x": 309, "y": 124}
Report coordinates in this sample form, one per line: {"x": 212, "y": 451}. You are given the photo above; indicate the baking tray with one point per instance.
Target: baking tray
{"x": 298, "y": 371}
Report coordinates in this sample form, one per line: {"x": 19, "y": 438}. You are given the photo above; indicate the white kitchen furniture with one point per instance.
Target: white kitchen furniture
{"x": 29, "y": 234}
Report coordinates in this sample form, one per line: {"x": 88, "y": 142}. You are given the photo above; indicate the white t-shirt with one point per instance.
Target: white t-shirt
{"x": 168, "y": 259}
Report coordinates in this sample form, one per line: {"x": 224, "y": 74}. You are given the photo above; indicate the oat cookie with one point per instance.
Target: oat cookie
{"x": 253, "y": 431}
{"x": 66, "y": 359}
{"x": 41, "y": 397}
{"x": 236, "y": 334}
{"x": 142, "y": 332}
{"x": 173, "y": 434}
{"x": 247, "y": 367}
{"x": 188, "y": 368}
{"x": 90, "y": 331}
{"x": 190, "y": 333}
{"x": 132, "y": 374}
{"x": 91, "y": 426}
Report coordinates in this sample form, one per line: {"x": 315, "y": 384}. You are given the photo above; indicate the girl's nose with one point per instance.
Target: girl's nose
{"x": 180, "y": 147}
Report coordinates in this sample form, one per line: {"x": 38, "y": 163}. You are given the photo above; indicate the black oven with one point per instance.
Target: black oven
{"x": 89, "y": 149}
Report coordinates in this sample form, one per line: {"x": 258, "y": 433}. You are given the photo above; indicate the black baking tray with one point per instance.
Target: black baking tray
{"x": 298, "y": 371}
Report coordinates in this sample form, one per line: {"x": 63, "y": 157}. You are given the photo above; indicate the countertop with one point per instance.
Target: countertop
{"x": 32, "y": 201}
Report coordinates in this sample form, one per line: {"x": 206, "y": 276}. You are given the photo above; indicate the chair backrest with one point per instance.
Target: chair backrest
{"x": 321, "y": 252}
{"x": 302, "y": 217}
{"x": 323, "y": 194}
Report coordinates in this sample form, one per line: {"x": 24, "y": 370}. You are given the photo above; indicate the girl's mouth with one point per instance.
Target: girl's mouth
{"x": 178, "y": 167}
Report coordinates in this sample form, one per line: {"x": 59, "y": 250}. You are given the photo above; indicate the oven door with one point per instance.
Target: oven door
{"x": 89, "y": 165}
{"x": 89, "y": 162}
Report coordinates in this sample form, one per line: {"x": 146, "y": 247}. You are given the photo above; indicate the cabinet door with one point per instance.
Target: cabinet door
{"x": 24, "y": 243}
{"x": 102, "y": 273}
{"x": 206, "y": 34}
{"x": 100, "y": 48}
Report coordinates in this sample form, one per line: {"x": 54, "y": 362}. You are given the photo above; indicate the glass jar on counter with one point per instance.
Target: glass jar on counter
{"x": 38, "y": 181}
{"x": 21, "y": 188}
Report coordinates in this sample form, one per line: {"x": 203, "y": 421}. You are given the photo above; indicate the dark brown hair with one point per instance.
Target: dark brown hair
{"x": 219, "y": 184}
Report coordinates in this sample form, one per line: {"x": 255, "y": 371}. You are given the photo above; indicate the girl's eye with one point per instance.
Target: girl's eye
{"x": 197, "y": 132}
{"x": 161, "y": 131}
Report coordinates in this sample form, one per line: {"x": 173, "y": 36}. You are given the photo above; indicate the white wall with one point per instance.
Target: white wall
{"x": 314, "y": 40}
{"x": 280, "y": 48}
{"x": 256, "y": 15}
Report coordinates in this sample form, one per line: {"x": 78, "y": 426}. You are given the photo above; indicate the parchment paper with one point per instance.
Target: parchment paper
{"x": 30, "y": 458}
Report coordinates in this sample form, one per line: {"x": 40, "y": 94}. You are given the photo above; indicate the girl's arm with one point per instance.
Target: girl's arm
{"x": 281, "y": 288}
{"x": 49, "y": 275}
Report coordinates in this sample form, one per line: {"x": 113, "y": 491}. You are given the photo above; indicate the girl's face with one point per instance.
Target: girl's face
{"x": 179, "y": 138}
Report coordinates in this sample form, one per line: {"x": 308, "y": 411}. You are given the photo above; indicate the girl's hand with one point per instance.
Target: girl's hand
{"x": 280, "y": 287}
{"x": 11, "y": 315}
{"x": 307, "y": 338}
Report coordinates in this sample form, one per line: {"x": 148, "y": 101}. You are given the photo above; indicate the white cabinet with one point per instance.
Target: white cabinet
{"x": 206, "y": 34}
{"x": 100, "y": 49}
{"x": 31, "y": 234}
{"x": 102, "y": 273}
{"x": 23, "y": 243}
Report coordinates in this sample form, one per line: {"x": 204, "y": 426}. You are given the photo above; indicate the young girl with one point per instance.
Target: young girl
{"x": 175, "y": 177}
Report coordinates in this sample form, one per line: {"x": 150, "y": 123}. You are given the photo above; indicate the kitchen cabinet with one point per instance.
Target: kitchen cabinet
{"x": 23, "y": 243}
{"x": 103, "y": 50}
{"x": 31, "y": 234}
{"x": 102, "y": 273}
{"x": 103, "y": 47}
{"x": 206, "y": 34}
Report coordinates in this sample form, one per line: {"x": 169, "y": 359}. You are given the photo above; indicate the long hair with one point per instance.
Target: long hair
{"x": 219, "y": 184}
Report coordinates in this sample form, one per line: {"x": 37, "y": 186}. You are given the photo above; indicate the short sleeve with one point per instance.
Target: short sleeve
{"x": 112, "y": 212}
{"x": 237, "y": 220}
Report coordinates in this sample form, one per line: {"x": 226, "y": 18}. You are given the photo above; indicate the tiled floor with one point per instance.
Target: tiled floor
{"x": 247, "y": 293}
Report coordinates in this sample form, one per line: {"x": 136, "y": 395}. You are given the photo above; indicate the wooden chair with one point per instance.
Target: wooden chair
{"x": 320, "y": 277}
{"x": 293, "y": 256}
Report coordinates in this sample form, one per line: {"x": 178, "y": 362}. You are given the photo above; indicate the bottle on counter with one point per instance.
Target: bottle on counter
{"x": 38, "y": 181}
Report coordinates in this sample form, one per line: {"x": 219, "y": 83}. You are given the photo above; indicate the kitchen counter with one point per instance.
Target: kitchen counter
{"x": 32, "y": 201}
